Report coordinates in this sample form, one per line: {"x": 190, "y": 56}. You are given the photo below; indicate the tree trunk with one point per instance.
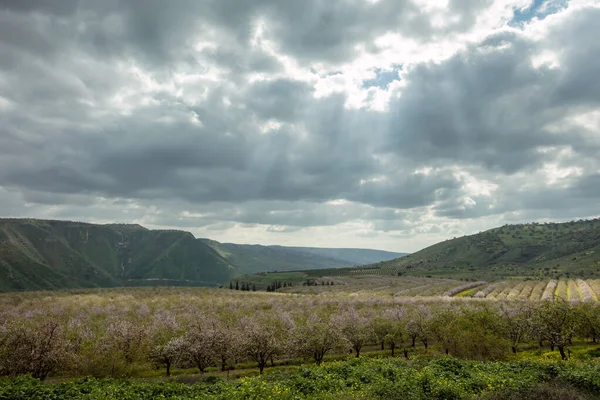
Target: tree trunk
{"x": 393, "y": 348}
{"x": 405, "y": 351}
{"x": 223, "y": 364}
{"x": 318, "y": 356}
{"x": 447, "y": 351}
{"x": 514, "y": 349}
{"x": 357, "y": 349}
{"x": 561, "y": 349}
{"x": 261, "y": 366}
{"x": 551, "y": 346}
{"x": 413, "y": 341}
{"x": 168, "y": 368}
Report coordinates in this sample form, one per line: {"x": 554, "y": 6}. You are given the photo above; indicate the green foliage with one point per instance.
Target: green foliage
{"x": 441, "y": 378}
{"x": 527, "y": 250}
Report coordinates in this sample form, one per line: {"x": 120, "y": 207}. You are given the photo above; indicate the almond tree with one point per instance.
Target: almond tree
{"x": 588, "y": 315}
{"x": 412, "y": 331}
{"x": 199, "y": 344}
{"x": 397, "y": 333}
{"x": 167, "y": 344}
{"x": 315, "y": 338}
{"x": 356, "y": 329}
{"x": 263, "y": 339}
{"x": 555, "y": 322}
{"x": 418, "y": 325}
{"x": 445, "y": 328}
{"x": 33, "y": 347}
{"x": 227, "y": 343}
{"x": 382, "y": 326}
{"x": 167, "y": 354}
{"x": 515, "y": 323}
{"x": 124, "y": 339}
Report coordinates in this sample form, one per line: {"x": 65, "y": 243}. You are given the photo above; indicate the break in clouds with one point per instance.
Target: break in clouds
{"x": 366, "y": 123}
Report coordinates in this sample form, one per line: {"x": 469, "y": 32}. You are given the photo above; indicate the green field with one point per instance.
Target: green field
{"x": 385, "y": 379}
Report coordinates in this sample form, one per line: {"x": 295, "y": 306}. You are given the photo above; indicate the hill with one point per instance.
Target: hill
{"x": 42, "y": 254}
{"x": 258, "y": 258}
{"x": 37, "y": 254}
{"x": 349, "y": 256}
{"x": 549, "y": 250}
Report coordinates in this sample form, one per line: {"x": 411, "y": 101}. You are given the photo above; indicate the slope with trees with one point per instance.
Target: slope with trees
{"x": 537, "y": 250}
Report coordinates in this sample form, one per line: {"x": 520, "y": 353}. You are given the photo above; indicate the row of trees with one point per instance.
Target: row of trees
{"x": 314, "y": 282}
{"x": 246, "y": 286}
{"x": 243, "y": 286}
{"x": 120, "y": 344}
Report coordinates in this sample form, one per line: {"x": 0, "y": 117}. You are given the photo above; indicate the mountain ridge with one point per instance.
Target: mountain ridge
{"x": 53, "y": 254}
{"x": 38, "y": 254}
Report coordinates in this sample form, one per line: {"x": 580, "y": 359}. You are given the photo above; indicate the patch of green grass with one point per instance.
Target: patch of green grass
{"x": 364, "y": 378}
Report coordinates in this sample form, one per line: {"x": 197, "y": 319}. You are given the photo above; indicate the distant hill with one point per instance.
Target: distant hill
{"x": 37, "y": 254}
{"x": 525, "y": 250}
{"x": 350, "y": 256}
{"x": 45, "y": 255}
{"x": 259, "y": 258}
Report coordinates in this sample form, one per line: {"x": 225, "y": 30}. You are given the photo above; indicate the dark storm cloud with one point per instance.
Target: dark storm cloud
{"x": 281, "y": 99}
{"x": 58, "y": 8}
{"x": 174, "y": 106}
{"x": 492, "y": 110}
{"x": 160, "y": 32}
{"x": 407, "y": 191}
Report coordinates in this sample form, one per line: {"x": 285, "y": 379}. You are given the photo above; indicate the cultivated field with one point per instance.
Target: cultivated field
{"x": 381, "y": 284}
{"x": 299, "y": 336}
{"x": 570, "y": 290}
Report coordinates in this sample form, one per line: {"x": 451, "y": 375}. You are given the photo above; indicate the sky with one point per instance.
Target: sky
{"x": 385, "y": 124}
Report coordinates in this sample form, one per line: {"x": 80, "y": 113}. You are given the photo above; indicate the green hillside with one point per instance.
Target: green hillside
{"x": 549, "y": 250}
{"x": 41, "y": 255}
{"x": 36, "y": 254}
{"x": 258, "y": 258}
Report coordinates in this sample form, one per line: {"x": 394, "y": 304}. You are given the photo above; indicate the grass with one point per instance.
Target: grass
{"x": 365, "y": 378}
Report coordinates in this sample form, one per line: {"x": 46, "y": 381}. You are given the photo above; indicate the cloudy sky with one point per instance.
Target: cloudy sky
{"x": 389, "y": 124}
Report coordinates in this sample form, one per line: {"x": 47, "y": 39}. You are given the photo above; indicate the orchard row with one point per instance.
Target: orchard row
{"x": 124, "y": 333}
